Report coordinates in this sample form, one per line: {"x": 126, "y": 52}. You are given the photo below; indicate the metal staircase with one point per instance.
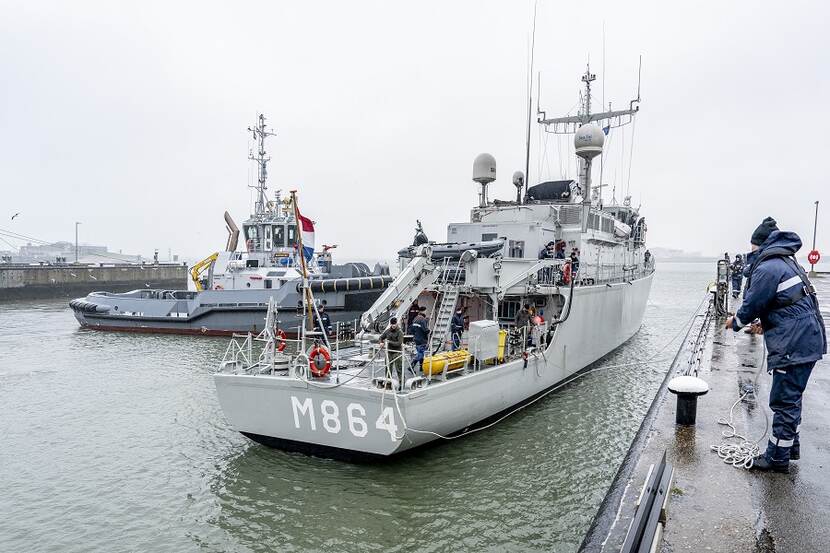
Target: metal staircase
{"x": 450, "y": 290}
{"x": 443, "y": 317}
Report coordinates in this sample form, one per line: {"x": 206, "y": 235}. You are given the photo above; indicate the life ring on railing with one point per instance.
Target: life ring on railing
{"x": 281, "y": 339}
{"x": 566, "y": 272}
{"x": 319, "y": 361}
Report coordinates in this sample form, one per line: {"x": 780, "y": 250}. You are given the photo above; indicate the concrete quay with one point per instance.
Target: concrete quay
{"x": 715, "y": 506}
{"x": 20, "y": 281}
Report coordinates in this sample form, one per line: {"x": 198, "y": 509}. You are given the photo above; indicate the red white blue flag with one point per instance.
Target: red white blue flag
{"x": 307, "y": 230}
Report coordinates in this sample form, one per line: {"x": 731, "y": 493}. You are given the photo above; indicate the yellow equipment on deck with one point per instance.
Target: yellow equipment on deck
{"x": 452, "y": 360}
{"x": 200, "y": 267}
{"x": 502, "y": 345}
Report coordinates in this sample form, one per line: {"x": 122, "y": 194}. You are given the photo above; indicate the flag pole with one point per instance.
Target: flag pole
{"x": 306, "y": 295}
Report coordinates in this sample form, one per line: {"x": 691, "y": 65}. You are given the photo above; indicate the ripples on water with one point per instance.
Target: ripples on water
{"x": 115, "y": 442}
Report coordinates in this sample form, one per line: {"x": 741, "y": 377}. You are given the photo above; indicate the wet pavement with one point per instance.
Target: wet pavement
{"x": 715, "y": 506}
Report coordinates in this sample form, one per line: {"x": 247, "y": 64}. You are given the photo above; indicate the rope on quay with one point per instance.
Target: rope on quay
{"x": 685, "y": 327}
{"x": 741, "y": 454}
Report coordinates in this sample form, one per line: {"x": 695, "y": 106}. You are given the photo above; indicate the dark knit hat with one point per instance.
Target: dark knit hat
{"x": 763, "y": 231}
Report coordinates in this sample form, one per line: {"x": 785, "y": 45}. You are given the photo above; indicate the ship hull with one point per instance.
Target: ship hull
{"x": 346, "y": 422}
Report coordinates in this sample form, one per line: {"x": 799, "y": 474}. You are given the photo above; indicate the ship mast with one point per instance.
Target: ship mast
{"x": 260, "y": 134}
{"x": 572, "y": 124}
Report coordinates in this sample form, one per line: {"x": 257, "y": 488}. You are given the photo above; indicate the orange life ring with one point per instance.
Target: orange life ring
{"x": 281, "y": 339}
{"x": 566, "y": 273}
{"x": 313, "y": 358}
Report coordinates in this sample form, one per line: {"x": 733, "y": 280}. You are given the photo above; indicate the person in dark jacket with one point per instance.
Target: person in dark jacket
{"x": 548, "y": 251}
{"x": 324, "y": 317}
{"x": 392, "y": 338}
{"x": 457, "y": 328}
{"x": 779, "y": 293}
{"x": 559, "y": 248}
{"x": 523, "y": 316}
{"x": 420, "y": 334}
{"x": 737, "y": 271}
{"x": 411, "y": 314}
{"x": 574, "y": 262}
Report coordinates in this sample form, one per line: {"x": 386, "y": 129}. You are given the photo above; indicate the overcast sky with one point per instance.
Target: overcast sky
{"x": 131, "y": 117}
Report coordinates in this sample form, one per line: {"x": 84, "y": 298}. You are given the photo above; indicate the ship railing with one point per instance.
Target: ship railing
{"x": 238, "y": 354}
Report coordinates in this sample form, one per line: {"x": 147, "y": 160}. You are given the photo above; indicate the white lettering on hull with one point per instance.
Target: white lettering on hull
{"x": 306, "y": 408}
{"x": 303, "y": 410}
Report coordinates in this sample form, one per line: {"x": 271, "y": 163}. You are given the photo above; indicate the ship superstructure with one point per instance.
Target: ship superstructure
{"x": 545, "y": 285}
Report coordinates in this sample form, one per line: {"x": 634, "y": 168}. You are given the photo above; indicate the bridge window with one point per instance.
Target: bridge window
{"x": 279, "y": 236}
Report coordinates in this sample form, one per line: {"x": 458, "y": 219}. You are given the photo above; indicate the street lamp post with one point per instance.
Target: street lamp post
{"x": 76, "y": 241}
{"x": 815, "y": 226}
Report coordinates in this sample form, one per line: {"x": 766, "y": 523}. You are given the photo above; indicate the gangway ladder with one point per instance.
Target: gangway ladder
{"x": 450, "y": 290}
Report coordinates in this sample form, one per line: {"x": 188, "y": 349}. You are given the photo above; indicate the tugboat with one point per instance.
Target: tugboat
{"x": 347, "y": 400}
{"x": 233, "y": 289}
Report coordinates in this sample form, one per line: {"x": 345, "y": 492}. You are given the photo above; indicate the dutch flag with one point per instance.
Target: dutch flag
{"x": 307, "y": 230}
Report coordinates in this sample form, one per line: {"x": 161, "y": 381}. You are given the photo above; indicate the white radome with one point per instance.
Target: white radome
{"x": 588, "y": 141}
{"x": 518, "y": 178}
{"x": 484, "y": 169}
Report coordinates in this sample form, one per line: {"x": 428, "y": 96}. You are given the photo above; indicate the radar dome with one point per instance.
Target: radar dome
{"x": 484, "y": 169}
{"x": 588, "y": 141}
{"x": 518, "y": 178}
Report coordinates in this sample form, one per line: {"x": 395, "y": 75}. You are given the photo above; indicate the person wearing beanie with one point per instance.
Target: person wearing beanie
{"x": 763, "y": 231}
{"x": 779, "y": 293}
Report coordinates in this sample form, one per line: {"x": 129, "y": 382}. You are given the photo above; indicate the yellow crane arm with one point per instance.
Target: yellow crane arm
{"x": 200, "y": 267}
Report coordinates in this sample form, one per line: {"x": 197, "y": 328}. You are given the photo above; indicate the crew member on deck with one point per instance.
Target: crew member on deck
{"x": 779, "y": 293}
{"x": 574, "y": 262}
{"x": 737, "y": 271}
{"x": 392, "y": 337}
{"x": 457, "y": 328}
{"x": 548, "y": 251}
{"x": 420, "y": 334}
{"x": 324, "y": 317}
{"x": 410, "y": 315}
{"x": 560, "y": 250}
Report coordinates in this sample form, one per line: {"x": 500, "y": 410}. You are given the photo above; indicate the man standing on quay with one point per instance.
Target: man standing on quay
{"x": 779, "y": 293}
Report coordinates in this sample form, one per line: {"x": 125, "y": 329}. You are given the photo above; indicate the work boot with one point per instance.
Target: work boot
{"x": 762, "y": 465}
{"x": 795, "y": 453}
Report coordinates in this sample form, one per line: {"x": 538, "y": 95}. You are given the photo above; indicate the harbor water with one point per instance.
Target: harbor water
{"x": 116, "y": 442}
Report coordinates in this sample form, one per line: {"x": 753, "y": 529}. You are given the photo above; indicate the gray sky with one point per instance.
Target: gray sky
{"x": 131, "y": 117}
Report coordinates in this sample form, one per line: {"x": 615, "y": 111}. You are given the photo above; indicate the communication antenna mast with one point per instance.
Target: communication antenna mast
{"x": 530, "y": 98}
{"x": 260, "y": 134}
{"x": 589, "y": 137}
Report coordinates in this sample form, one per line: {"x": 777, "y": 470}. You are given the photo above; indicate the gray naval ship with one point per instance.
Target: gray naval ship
{"x": 233, "y": 288}
{"x": 346, "y": 400}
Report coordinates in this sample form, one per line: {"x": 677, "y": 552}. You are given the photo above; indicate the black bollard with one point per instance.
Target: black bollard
{"x": 687, "y": 389}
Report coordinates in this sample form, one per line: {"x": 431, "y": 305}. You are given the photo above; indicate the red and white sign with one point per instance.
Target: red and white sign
{"x": 813, "y": 257}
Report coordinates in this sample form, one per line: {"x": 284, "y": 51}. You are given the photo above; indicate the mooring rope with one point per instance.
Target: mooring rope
{"x": 743, "y": 453}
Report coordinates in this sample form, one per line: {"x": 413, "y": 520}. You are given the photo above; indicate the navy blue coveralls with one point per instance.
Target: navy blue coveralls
{"x": 420, "y": 335}
{"x": 778, "y": 292}
{"x": 737, "y": 276}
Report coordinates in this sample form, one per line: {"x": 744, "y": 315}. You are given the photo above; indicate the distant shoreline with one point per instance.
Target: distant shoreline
{"x": 694, "y": 259}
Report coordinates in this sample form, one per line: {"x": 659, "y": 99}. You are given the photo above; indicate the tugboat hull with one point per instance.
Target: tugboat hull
{"x": 209, "y": 313}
